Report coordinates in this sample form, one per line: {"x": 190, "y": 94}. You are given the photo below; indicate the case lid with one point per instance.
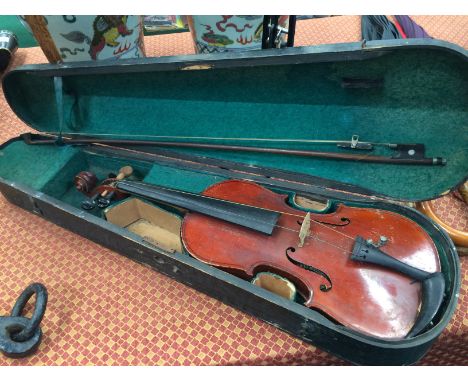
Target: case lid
{"x": 395, "y": 91}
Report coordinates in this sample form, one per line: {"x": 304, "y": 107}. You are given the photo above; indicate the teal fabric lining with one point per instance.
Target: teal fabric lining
{"x": 35, "y": 166}
{"x": 181, "y": 179}
{"x": 54, "y": 169}
{"x": 423, "y": 99}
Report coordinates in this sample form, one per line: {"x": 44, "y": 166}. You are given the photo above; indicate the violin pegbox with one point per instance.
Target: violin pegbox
{"x": 102, "y": 194}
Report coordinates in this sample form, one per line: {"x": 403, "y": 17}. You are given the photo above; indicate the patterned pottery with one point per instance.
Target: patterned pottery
{"x": 83, "y": 38}
{"x": 227, "y": 33}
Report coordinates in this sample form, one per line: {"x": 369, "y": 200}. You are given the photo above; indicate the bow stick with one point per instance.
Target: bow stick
{"x": 412, "y": 154}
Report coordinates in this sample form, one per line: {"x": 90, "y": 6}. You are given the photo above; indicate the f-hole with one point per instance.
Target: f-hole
{"x": 323, "y": 287}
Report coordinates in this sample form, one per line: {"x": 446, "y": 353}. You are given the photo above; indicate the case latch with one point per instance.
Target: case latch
{"x": 35, "y": 208}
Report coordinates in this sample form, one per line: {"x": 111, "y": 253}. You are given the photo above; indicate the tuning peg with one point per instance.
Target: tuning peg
{"x": 124, "y": 172}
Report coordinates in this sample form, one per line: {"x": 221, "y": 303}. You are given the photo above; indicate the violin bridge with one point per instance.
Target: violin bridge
{"x": 305, "y": 230}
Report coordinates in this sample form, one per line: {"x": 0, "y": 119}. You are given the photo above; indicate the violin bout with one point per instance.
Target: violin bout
{"x": 370, "y": 298}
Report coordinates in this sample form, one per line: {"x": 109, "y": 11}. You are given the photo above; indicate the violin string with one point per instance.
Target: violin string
{"x": 315, "y": 237}
{"x": 286, "y": 213}
{"x": 270, "y": 210}
{"x": 311, "y": 235}
{"x": 273, "y": 210}
{"x": 280, "y": 212}
{"x": 346, "y": 251}
{"x": 324, "y": 225}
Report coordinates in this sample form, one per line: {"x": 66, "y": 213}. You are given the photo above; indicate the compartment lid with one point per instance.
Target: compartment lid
{"x": 395, "y": 91}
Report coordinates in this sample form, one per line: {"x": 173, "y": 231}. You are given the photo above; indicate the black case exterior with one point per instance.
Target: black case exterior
{"x": 291, "y": 317}
{"x": 303, "y": 323}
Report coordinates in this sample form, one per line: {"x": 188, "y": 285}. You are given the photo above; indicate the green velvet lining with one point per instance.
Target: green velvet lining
{"x": 181, "y": 179}
{"x": 35, "y": 166}
{"x": 58, "y": 167}
{"x": 422, "y": 99}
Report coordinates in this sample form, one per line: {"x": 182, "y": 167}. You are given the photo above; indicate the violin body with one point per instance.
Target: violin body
{"x": 368, "y": 298}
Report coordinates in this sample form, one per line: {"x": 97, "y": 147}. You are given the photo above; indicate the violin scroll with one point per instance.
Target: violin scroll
{"x": 99, "y": 195}
{"x": 85, "y": 181}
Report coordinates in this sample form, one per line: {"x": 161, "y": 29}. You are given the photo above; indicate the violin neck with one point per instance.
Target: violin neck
{"x": 255, "y": 218}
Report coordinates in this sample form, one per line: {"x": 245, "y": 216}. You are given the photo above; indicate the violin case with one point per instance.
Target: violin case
{"x": 384, "y": 91}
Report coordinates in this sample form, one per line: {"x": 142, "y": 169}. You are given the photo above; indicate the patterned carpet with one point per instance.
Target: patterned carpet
{"x": 105, "y": 309}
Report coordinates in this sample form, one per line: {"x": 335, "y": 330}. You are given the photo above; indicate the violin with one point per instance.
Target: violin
{"x": 371, "y": 270}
